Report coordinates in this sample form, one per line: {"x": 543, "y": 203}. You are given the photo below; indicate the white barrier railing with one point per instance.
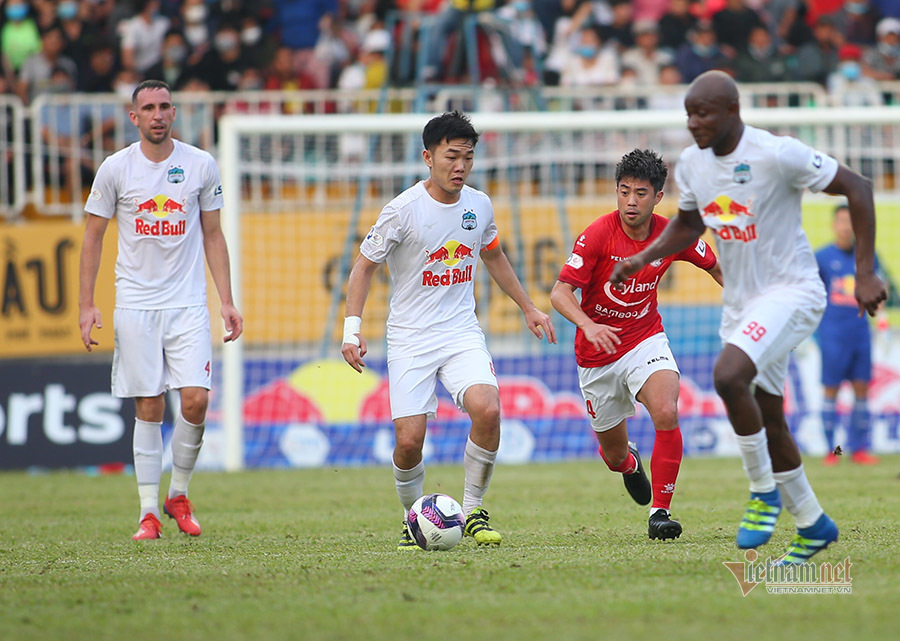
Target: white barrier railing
{"x": 70, "y": 135}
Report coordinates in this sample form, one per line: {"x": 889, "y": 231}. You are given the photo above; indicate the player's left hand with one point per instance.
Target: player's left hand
{"x": 870, "y": 292}
{"x": 234, "y": 323}
{"x": 536, "y": 320}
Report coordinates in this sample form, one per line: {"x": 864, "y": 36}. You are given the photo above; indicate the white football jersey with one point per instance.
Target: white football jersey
{"x": 751, "y": 200}
{"x": 161, "y": 262}
{"x": 431, "y": 250}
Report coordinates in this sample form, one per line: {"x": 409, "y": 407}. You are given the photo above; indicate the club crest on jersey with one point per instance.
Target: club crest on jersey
{"x": 742, "y": 173}
{"x": 469, "y": 221}
{"x": 175, "y": 175}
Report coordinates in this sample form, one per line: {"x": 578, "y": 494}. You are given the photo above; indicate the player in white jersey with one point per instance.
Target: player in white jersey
{"x": 431, "y": 237}
{"x": 746, "y": 185}
{"x": 166, "y": 197}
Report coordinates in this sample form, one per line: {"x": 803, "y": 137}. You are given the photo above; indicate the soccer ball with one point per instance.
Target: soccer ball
{"x": 436, "y": 522}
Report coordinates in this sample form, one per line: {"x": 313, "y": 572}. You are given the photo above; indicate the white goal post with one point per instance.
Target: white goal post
{"x": 256, "y": 169}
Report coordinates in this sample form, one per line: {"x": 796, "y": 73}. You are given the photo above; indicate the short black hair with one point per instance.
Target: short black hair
{"x": 841, "y": 207}
{"x": 149, "y": 84}
{"x": 448, "y": 126}
{"x": 643, "y": 164}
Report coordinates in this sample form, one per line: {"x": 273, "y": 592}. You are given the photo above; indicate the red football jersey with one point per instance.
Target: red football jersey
{"x": 633, "y": 308}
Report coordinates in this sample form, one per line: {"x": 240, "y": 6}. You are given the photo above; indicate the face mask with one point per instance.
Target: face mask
{"x": 175, "y": 53}
{"x": 856, "y": 8}
{"x": 252, "y": 85}
{"x": 521, "y": 6}
{"x": 226, "y": 42}
{"x": 125, "y": 89}
{"x": 888, "y": 50}
{"x": 759, "y": 52}
{"x": 586, "y": 51}
{"x": 850, "y": 70}
{"x": 704, "y": 51}
{"x": 67, "y": 10}
{"x": 251, "y": 35}
{"x": 17, "y": 12}
{"x": 195, "y": 13}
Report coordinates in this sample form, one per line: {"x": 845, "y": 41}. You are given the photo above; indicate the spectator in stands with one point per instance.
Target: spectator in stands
{"x": 101, "y": 68}
{"x": 173, "y": 66}
{"x": 281, "y": 75}
{"x": 618, "y": 31}
{"x": 19, "y": 37}
{"x": 448, "y": 21}
{"x": 847, "y": 86}
{"x": 35, "y": 76}
{"x": 76, "y": 32}
{"x": 525, "y": 32}
{"x": 593, "y": 63}
{"x": 784, "y": 19}
{"x": 815, "y": 60}
{"x": 675, "y": 25}
{"x": 334, "y": 48}
{"x": 223, "y": 65}
{"x": 142, "y": 37}
{"x": 563, "y": 39}
{"x": 733, "y": 25}
{"x": 858, "y": 19}
{"x": 760, "y": 61}
{"x": 700, "y": 53}
{"x": 258, "y": 46}
{"x": 299, "y": 24}
{"x": 197, "y": 26}
{"x": 882, "y": 62}
{"x": 646, "y": 58}
{"x": 370, "y": 69}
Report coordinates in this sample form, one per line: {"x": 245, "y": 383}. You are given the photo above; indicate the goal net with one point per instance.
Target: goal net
{"x": 302, "y": 191}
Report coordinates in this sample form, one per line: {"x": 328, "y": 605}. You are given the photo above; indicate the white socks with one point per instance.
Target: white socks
{"x": 757, "y": 463}
{"x": 410, "y": 484}
{"x": 798, "y": 496}
{"x": 186, "y": 441}
{"x": 148, "y": 453}
{"x": 479, "y": 466}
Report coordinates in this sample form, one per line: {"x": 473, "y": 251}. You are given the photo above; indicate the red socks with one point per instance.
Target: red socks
{"x": 664, "y": 463}
{"x": 627, "y": 467}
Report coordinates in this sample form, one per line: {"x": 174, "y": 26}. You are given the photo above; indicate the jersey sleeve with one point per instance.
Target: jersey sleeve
{"x": 687, "y": 201}
{"x": 580, "y": 263}
{"x": 700, "y": 254}
{"x": 211, "y": 197}
{"x": 490, "y": 232}
{"x": 803, "y": 166}
{"x": 385, "y": 234}
{"x": 103, "y": 197}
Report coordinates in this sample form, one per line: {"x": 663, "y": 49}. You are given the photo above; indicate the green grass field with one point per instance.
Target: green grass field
{"x": 310, "y": 554}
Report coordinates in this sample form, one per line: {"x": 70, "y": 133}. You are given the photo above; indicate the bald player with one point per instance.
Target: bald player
{"x": 746, "y": 185}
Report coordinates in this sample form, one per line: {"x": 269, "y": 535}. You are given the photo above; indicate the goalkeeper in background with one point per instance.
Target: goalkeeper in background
{"x": 431, "y": 237}
{"x": 621, "y": 348}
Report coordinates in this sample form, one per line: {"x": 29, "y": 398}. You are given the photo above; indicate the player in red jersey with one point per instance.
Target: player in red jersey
{"x": 621, "y": 348}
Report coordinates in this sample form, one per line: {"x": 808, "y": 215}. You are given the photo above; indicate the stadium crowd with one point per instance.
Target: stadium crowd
{"x": 106, "y": 46}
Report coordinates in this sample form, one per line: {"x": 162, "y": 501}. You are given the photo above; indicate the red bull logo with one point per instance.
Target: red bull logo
{"x": 160, "y": 206}
{"x": 450, "y": 254}
{"x": 730, "y": 220}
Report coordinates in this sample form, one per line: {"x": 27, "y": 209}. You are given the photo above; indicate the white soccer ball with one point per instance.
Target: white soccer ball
{"x": 436, "y": 522}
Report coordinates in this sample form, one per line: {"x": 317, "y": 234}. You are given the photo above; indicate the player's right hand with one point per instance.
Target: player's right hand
{"x": 603, "y": 337}
{"x": 89, "y": 317}
{"x": 870, "y": 292}
{"x": 353, "y": 354}
{"x": 625, "y": 269}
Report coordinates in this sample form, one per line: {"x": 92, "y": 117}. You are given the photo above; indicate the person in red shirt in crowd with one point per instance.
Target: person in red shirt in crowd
{"x": 621, "y": 348}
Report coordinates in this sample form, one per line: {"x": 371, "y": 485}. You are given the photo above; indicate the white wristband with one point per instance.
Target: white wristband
{"x": 352, "y": 326}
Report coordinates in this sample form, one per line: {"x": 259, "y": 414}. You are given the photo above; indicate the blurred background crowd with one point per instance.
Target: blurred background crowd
{"x": 106, "y": 46}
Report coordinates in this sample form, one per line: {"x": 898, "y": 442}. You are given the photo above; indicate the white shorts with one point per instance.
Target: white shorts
{"x": 160, "y": 349}
{"x": 769, "y": 327}
{"x": 412, "y": 379}
{"x": 609, "y": 391}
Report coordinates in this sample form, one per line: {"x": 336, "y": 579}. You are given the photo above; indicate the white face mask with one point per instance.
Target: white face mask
{"x": 251, "y": 35}
{"x": 195, "y": 13}
{"x": 125, "y": 89}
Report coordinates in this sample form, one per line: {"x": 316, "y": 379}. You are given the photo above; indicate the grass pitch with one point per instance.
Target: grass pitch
{"x": 311, "y": 554}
